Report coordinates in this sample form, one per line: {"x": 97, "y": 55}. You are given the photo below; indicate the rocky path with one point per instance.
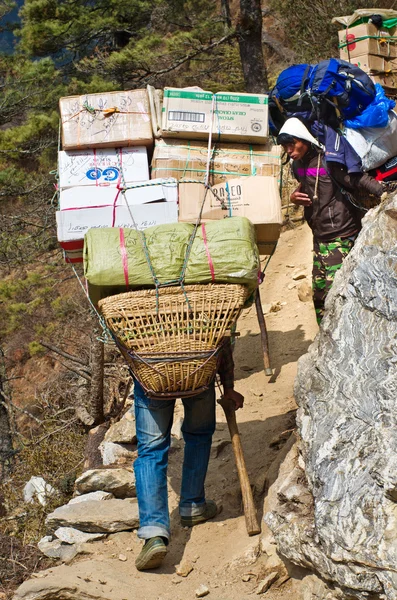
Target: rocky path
{"x": 217, "y": 559}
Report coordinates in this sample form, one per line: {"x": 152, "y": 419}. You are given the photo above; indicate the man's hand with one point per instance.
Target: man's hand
{"x": 235, "y": 398}
{"x": 299, "y": 198}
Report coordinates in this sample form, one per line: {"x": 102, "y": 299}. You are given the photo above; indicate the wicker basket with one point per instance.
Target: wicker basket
{"x": 172, "y": 345}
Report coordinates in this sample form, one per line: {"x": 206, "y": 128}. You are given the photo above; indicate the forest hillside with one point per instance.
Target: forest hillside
{"x": 50, "y": 341}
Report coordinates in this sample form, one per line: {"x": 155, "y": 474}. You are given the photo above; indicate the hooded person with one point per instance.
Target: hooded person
{"x": 324, "y": 190}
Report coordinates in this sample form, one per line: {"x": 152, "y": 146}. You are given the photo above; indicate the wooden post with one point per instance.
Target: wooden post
{"x": 251, "y": 520}
{"x": 263, "y": 330}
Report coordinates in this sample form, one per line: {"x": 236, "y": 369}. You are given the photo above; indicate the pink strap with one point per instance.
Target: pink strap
{"x": 96, "y": 168}
{"x": 85, "y": 207}
{"x": 211, "y": 264}
{"x": 124, "y": 259}
{"x": 115, "y": 203}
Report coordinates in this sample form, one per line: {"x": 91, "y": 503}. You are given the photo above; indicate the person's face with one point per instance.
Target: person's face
{"x": 296, "y": 149}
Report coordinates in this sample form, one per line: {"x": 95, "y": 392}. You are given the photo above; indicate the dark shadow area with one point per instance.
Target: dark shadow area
{"x": 262, "y": 441}
{"x": 284, "y": 347}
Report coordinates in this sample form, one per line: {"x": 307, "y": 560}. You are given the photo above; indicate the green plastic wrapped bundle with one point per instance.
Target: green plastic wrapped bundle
{"x": 222, "y": 251}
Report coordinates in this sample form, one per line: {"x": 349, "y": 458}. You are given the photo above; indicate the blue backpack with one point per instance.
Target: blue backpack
{"x": 343, "y": 84}
{"x": 332, "y": 91}
{"x": 292, "y": 82}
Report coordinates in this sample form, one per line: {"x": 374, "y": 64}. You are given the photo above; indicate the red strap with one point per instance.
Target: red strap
{"x": 124, "y": 258}
{"x": 114, "y": 204}
{"x": 211, "y": 265}
{"x": 381, "y": 176}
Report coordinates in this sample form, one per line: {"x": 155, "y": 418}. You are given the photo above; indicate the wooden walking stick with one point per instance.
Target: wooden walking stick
{"x": 264, "y": 339}
{"x": 251, "y": 520}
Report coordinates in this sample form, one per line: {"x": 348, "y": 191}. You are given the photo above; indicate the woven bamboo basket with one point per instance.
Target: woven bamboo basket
{"x": 171, "y": 339}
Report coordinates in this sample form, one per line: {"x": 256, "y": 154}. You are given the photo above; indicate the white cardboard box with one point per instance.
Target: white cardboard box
{"x": 73, "y": 224}
{"x": 153, "y": 190}
{"x": 102, "y": 166}
{"x": 236, "y": 117}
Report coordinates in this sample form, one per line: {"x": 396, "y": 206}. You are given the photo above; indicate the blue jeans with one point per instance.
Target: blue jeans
{"x": 153, "y": 428}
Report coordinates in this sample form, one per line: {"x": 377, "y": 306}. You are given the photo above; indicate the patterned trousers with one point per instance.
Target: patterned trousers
{"x": 327, "y": 260}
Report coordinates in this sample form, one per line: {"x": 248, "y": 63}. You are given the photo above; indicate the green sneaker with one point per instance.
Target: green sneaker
{"x": 210, "y": 511}
{"x": 152, "y": 554}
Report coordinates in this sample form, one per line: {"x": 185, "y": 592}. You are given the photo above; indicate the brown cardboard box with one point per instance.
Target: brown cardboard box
{"x": 184, "y": 159}
{"x": 375, "y": 64}
{"x": 230, "y": 116}
{"x": 387, "y": 80}
{"x": 366, "y": 39}
{"x": 257, "y": 198}
{"x": 108, "y": 119}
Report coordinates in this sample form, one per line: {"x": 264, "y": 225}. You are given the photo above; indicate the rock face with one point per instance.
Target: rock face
{"x": 346, "y": 389}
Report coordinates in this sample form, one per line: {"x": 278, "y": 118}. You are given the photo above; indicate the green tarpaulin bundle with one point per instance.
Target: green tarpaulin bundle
{"x": 117, "y": 260}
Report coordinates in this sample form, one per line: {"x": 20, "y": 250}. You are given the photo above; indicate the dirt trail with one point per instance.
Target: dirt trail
{"x": 221, "y": 553}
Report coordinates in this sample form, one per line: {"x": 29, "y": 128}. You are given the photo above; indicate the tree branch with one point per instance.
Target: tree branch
{"x": 65, "y": 354}
{"x": 188, "y": 57}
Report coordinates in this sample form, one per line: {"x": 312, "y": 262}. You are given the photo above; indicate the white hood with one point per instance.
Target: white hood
{"x": 296, "y": 128}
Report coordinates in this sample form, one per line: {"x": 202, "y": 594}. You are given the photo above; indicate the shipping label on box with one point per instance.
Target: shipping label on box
{"x": 109, "y": 119}
{"x": 230, "y": 116}
{"x": 366, "y": 39}
{"x": 73, "y": 224}
{"x": 188, "y": 160}
{"x": 257, "y": 198}
{"x": 102, "y": 166}
{"x": 154, "y": 190}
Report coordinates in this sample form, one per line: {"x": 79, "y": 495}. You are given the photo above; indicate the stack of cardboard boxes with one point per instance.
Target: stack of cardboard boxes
{"x": 106, "y": 139}
{"x": 372, "y": 49}
{"x": 104, "y": 171}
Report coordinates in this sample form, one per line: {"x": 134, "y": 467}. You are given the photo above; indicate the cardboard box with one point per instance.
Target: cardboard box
{"x": 109, "y": 119}
{"x": 375, "y": 64}
{"x": 257, "y": 198}
{"x": 102, "y": 166}
{"x": 154, "y": 190}
{"x": 188, "y": 160}
{"x": 235, "y": 117}
{"x": 73, "y": 224}
{"x": 366, "y": 39}
{"x": 387, "y": 80}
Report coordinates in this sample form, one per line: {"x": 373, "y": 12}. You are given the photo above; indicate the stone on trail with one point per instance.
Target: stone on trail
{"x": 122, "y": 432}
{"x": 117, "y": 454}
{"x": 99, "y": 495}
{"x": 266, "y": 583}
{"x": 298, "y": 274}
{"x": 119, "y": 481}
{"x": 70, "y": 535}
{"x": 202, "y": 591}
{"x": 305, "y": 292}
{"x": 84, "y": 580}
{"x": 102, "y": 517}
{"x": 184, "y": 568}
{"x": 56, "y": 549}
{"x": 344, "y": 527}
